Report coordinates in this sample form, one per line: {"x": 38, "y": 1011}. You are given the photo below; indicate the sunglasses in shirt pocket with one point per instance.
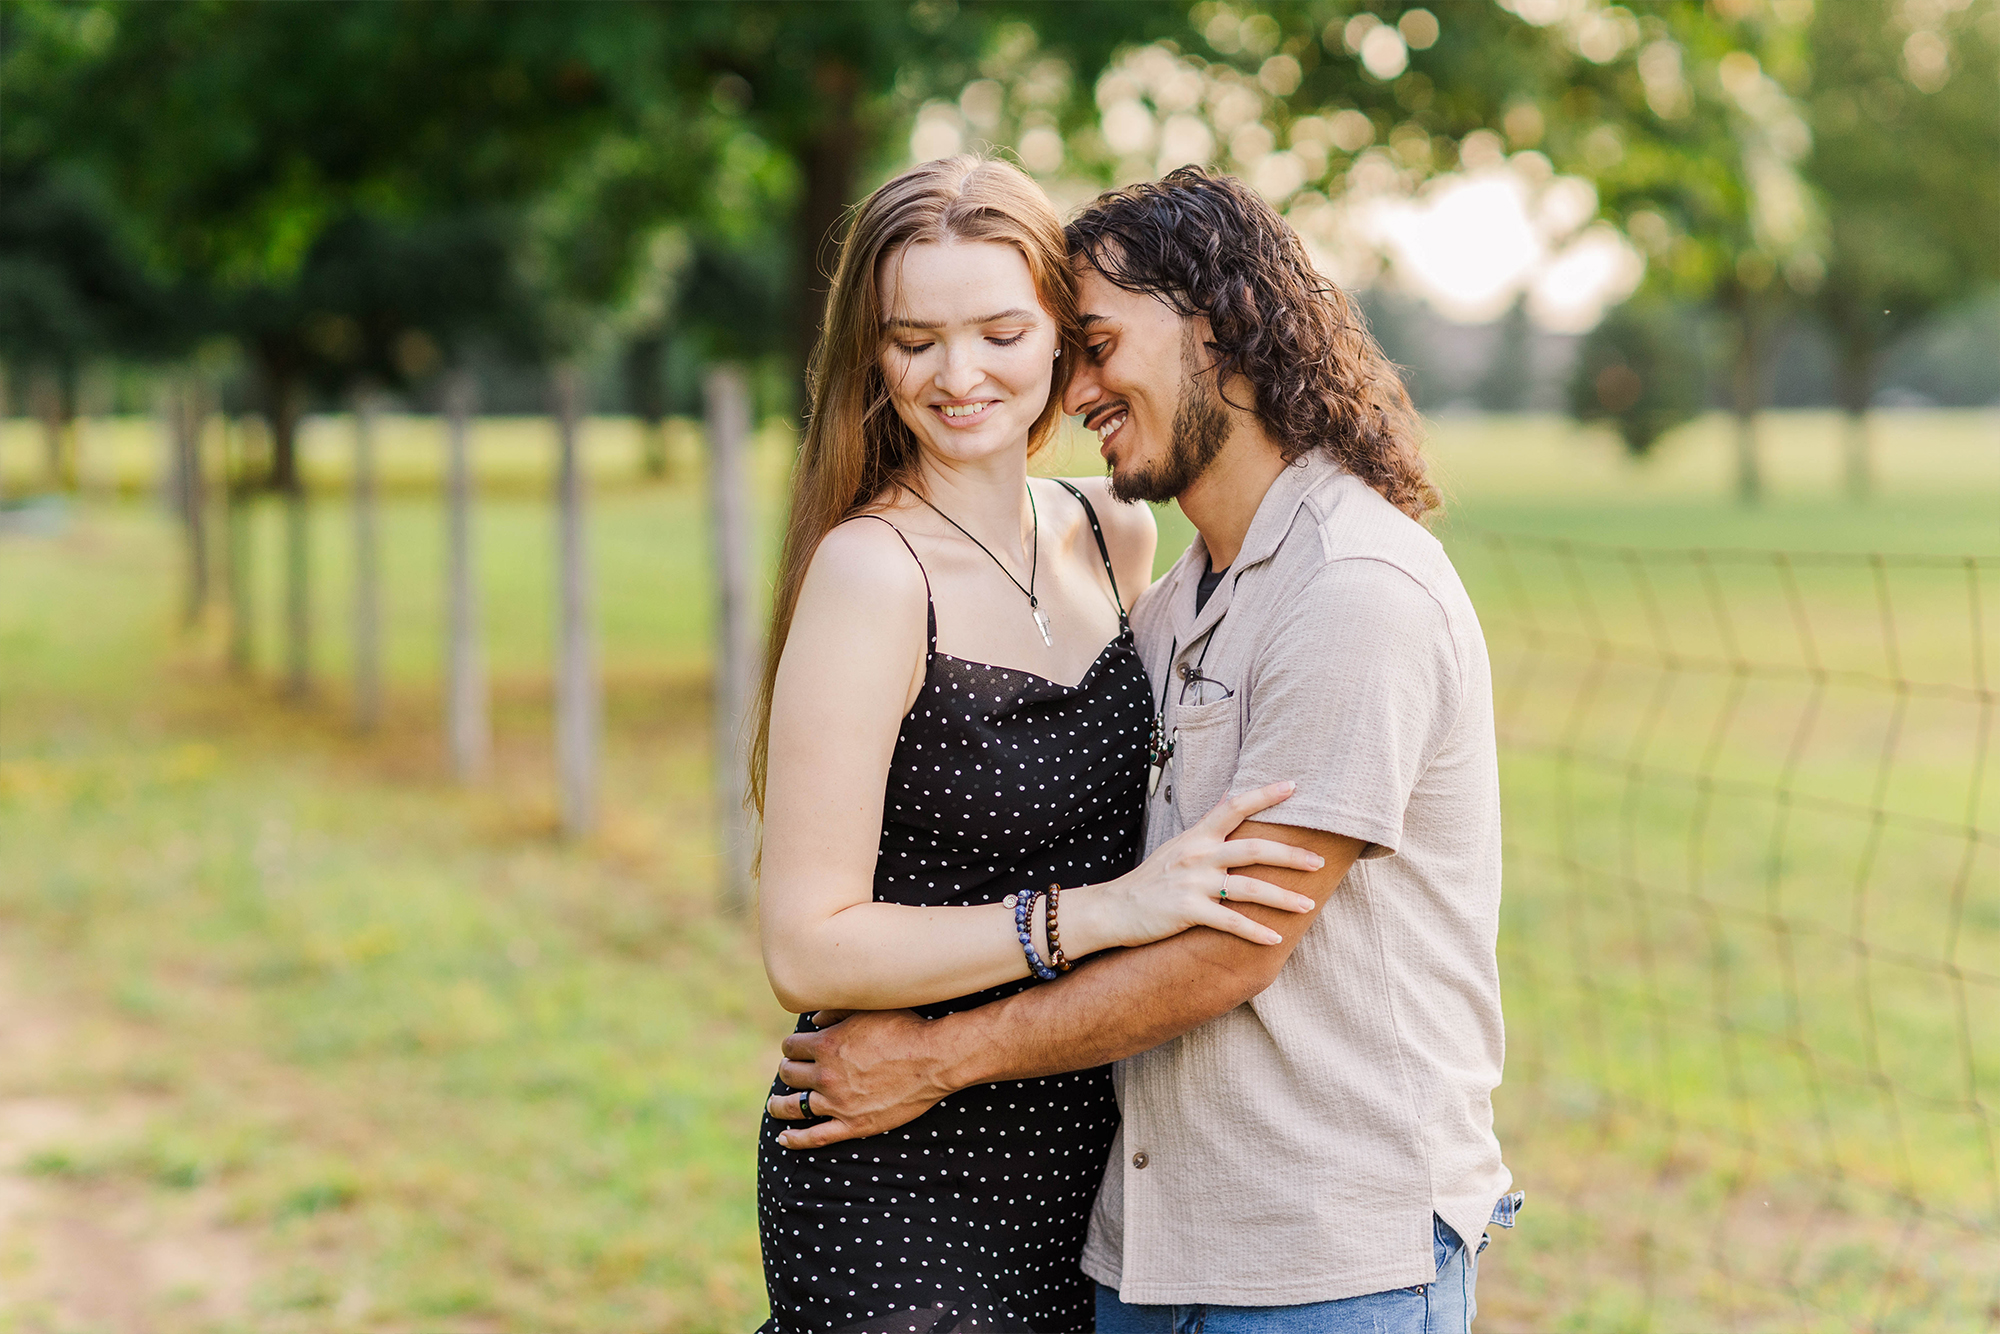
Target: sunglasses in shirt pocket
{"x": 1207, "y": 740}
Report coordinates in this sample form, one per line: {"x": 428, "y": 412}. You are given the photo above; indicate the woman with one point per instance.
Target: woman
{"x": 954, "y": 720}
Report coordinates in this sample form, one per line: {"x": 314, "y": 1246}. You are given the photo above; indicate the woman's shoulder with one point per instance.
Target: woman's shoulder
{"x": 865, "y": 559}
{"x": 1130, "y": 533}
{"x": 1118, "y": 518}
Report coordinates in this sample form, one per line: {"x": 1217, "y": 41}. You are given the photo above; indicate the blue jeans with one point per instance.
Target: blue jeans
{"x": 1443, "y": 1306}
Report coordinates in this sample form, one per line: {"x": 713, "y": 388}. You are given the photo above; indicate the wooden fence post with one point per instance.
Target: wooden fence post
{"x": 298, "y": 584}
{"x": 187, "y": 419}
{"x": 726, "y": 395}
{"x": 367, "y": 571}
{"x": 467, "y": 722}
{"x": 578, "y": 703}
{"x": 236, "y": 527}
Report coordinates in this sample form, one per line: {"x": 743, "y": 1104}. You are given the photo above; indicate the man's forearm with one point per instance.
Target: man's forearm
{"x": 872, "y": 1072}
{"x": 1123, "y": 1003}
{"x": 1119, "y": 1004}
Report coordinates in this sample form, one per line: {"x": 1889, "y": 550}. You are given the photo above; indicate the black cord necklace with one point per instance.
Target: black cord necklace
{"x": 1034, "y": 607}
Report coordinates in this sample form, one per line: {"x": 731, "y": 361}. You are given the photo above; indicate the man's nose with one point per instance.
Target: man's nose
{"x": 1083, "y": 390}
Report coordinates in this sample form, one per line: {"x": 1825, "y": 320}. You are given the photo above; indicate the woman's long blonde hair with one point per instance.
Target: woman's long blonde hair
{"x": 856, "y": 448}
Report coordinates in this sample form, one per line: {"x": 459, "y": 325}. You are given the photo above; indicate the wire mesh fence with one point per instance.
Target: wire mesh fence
{"x": 1751, "y": 938}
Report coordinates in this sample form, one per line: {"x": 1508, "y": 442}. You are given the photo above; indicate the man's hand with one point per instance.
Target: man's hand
{"x": 868, "y": 1072}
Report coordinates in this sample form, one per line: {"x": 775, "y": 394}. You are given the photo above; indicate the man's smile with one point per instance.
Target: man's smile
{"x": 1107, "y": 422}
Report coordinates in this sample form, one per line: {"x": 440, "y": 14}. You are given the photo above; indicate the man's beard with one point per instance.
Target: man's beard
{"x": 1201, "y": 424}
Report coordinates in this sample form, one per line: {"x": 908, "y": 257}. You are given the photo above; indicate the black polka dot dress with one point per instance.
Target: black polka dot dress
{"x": 972, "y": 1217}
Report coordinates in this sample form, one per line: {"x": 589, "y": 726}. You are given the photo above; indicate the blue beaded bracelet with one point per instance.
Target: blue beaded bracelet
{"x": 1024, "y": 913}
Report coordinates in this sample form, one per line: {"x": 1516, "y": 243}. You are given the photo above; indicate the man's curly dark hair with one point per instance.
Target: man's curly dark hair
{"x": 1207, "y": 245}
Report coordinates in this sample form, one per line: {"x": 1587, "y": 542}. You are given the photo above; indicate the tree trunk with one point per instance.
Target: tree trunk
{"x": 1858, "y": 358}
{"x": 578, "y": 703}
{"x": 54, "y": 394}
{"x": 236, "y": 494}
{"x": 832, "y": 156}
{"x": 467, "y": 722}
{"x": 367, "y": 569}
{"x": 727, "y": 400}
{"x": 646, "y": 390}
{"x": 6, "y": 411}
{"x": 187, "y": 419}
{"x": 282, "y": 396}
{"x": 1746, "y": 394}
{"x": 94, "y": 458}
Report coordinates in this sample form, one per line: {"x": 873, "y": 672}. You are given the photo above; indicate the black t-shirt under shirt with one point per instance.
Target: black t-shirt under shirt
{"x": 1207, "y": 585}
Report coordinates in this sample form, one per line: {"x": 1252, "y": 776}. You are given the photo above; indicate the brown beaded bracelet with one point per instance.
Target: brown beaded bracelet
{"x": 1062, "y": 964}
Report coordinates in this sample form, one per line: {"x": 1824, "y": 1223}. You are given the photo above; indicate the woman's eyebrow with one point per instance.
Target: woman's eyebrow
{"x": 905, "y": 322}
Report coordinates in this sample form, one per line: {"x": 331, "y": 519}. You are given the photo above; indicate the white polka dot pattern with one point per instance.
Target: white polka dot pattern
{"x": 972, "y": 1217}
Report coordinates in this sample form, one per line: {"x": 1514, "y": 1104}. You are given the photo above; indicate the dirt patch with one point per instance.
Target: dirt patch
{"x": 82, "y": 1249}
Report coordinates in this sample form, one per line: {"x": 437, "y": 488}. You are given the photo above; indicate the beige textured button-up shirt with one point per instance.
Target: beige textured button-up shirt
{"x": 1294, "y": 1149}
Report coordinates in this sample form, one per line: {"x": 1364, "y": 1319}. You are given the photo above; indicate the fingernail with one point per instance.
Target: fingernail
{"x": 1305, "y": 904}
{"x": 1289, "y": 785}
{"x": 1272, "y": 937}
{"x": 1318, "y": 861}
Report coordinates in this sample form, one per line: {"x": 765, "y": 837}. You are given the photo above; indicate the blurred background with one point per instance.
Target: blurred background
{"x": 397, "y": 407}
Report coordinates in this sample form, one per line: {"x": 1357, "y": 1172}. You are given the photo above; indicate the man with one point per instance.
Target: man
{"x": 1307, "y": 1139}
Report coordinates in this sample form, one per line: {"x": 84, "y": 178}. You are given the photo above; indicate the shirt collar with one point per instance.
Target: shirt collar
{"x": 1268, "y": 527}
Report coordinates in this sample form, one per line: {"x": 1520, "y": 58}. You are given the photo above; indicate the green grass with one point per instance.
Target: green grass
{"x": 447, "y": 1073}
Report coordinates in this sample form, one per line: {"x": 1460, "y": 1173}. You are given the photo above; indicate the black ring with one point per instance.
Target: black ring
{"x": 805, "y": 1103}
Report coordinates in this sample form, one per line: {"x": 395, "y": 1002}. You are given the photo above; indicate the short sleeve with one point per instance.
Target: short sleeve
{"x": 1351, "y": 698}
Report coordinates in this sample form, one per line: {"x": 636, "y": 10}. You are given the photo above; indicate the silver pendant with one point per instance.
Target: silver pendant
{"x": 1042, "y": 624}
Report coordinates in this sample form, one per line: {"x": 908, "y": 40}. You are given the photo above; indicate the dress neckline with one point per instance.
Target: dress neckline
{"x": 1124, "y": 633}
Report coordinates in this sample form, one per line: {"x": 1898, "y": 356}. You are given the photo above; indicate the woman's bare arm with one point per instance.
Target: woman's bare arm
{"x": 852, "y": 666}
{"x": 873, "y": 1072}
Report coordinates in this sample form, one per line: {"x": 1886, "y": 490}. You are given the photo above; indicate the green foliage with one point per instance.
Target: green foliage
{"x": 1906, "y": 152}
{"x": 69, "y": 288}
{"x": 1641, "y": 370}
{"x": 389, "y": 301}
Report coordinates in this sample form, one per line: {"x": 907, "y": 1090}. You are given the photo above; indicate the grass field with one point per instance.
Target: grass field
{"x": 295, "y": 1035}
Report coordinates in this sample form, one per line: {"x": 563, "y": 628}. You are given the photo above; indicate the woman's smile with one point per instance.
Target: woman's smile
{"x": 965, "y": 413}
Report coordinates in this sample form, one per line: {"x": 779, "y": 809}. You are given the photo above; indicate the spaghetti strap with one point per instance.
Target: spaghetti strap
{"x": 1102, "y": 550}
{"x": 930, "y": 607}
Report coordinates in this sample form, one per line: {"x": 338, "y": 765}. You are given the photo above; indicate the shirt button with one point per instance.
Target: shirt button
{"x": 1140, "y": 1159}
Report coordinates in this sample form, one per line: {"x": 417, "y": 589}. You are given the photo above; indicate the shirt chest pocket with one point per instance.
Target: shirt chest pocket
{"x": 1207, "y": 741}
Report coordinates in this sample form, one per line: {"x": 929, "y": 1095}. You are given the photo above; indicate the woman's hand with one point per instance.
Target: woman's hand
{"x": 1188, "y": 880}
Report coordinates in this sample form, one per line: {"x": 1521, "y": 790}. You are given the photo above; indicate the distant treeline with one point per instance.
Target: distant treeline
{"x": 1951, "y": 360}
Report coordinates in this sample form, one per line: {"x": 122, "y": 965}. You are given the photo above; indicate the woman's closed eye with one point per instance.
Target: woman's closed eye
{"x": 999, "y": 341}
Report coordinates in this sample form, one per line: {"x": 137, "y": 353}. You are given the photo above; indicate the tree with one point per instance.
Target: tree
{"x": 1509, "y": 379}
{"x": 1641, "y": 370}
{"x": 1905, "y": 114}
{"x": 388, "y": 305}
{"x": 280, "y": 198}
{"x": 232, "y": 177}
{"x": 1690, "y": 129}
{"x": 70, "y": 292}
